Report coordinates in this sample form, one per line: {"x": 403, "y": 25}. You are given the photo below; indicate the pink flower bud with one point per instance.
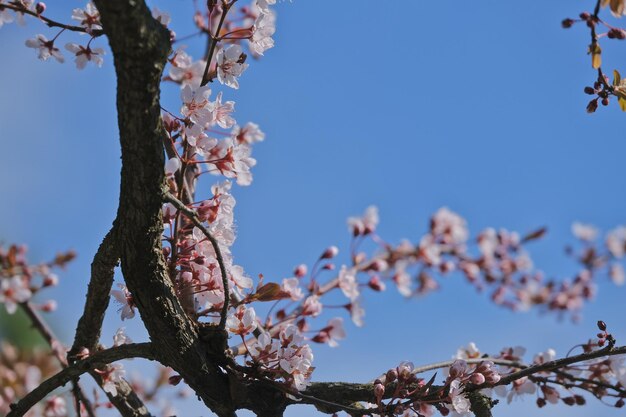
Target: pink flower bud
{"x": 330, "y": 252}
{"x": 477, "y": 379}
{"x": 392, "y": 375}
{"x": 50, "y": 280}
{"x": 376, "y": 284}
{"x": 300, "y": 271}
{"x": 48, "y": 306}
{"x": 40, "y": 7}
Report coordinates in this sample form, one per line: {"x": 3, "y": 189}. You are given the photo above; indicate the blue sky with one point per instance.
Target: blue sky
{"x": 408, "y": 105}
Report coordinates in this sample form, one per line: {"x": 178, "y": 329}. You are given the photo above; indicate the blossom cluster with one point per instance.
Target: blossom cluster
{"x": 20, "y": 281}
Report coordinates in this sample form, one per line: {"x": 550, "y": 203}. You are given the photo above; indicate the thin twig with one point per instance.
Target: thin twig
{"x": 49, "y": 22}
{"x": 191, "y": 214}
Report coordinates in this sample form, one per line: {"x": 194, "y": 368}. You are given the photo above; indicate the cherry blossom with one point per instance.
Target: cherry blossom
{"x": 292, "y": 287}
{"x": 348, "y": 284}
{"x": 366, "y": 224}
{"x": 125, "y": 300}
{"x": 111, "y": 375}
{"x": 121, "y": 338}
{"x": 13, "y": 291}
{"x": 184, "y": 70}
{"x": 249, "y": 134}
{"x": 55, "y": 407}
{"x": 161, "y": 16}
{"x": 89, "y": 17}
{"x": 312, "y": 306}
{"x": 519, "y": 388}
{"x": 5, "y": 17}
{"x": 262, "y": 32}
{"x": 221, "y": 112}
{"x": 196, "y": 104}
{"x": 45, "y": 48}
{"x": 331, "y": 333}
{"x": 230, "y": 65}
{"x": 85, "y": 54}
{"x": 584, "y": 232}
{"x": 459, "y": 402}
{"x": 242, "y": 322}
{"x": 616, "y": 241}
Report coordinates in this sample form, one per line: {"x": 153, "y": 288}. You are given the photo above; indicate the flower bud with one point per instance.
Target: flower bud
{"x": 48, "y": 306}
{"x": 569, "y": 400}
{"x": 619, "y": 403}
{"x": 300, "y": 271}
{"x": 567, "y": 23}
{"x": 392, "y": 375}
{"x": 175, "y": 379}
{"x": 541, "y": 402}
{"x": 601, "y": 325}
{"x": 589, "y": 90}
{"x": 40, "y": 7}
{"x": 330, "y": 252}
{"x": 477, "y": 379}
{"x": 585, "y": 15}
{"x": 580, "y": 400}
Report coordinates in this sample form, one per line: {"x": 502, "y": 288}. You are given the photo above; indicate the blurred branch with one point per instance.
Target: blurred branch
{"x": 98, "y": 359}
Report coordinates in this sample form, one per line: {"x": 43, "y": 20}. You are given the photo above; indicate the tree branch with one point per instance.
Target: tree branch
{"x": 140, "y": 46}
{"x": 98, "y": 359}
{"x": 98, "y": 294}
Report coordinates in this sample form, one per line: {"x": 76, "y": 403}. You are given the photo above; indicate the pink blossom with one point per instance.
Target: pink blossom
{"x": 249, "y": 134}
{"x": 584, "y": 232}
{"x": 230, "y": 65}
{"x": 196, "y": 104}
{"x": 125, "y": 299}
{"x": 13, "y": 291}
{"x": 111, "y": 375}
{"x": 89, "y": 18}
{"x": 85, "y": 54}
{"x": 185, "y": 71}
{"x": 45, "y": 48}
{"x": 468, "y": 352}
{"x": 242, "y": 322}
{"x": 459, "y": 402}
{"x": 357, "y": 312}
{"x": 55, "y": 407}
{"x": 262, "y": 31}
{"x": 312, "y": 306}
{"x": 347, "y": 283}
{"x": 221, "y": 112}
{"x": 616, "y": 241}
{"x": 161, "y": 16}
{"x": 292, "y": 287}
{"x": 5, "y": 17}
{"x": 121, "y": 338}
{"x": 365, "y": 224}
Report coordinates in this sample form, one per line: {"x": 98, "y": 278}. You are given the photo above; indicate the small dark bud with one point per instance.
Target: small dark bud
{"x": 590, "y": 23}
{"x": 619, "y": 403}
{"x": 585, "y": 15}
{"x": 580, "y": 400}
{"x": 589, "y": 90}
{"x": 175, "y": 379}
{"x": 592, "y": 106}
{"x": 40, "y": 7}
{"x": 601, "y": 325}
{"x": 569, "y": 400}
{"x": 567, "y": 23}
{"x": 541, "y": 402}
{"x": 605, "y": 101}
{"x": 601, "y": 342}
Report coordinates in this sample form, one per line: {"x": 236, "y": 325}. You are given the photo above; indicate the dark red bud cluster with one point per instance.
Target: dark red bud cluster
{"x": 567, "y": 23}
{"x": 616, "y": 33}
